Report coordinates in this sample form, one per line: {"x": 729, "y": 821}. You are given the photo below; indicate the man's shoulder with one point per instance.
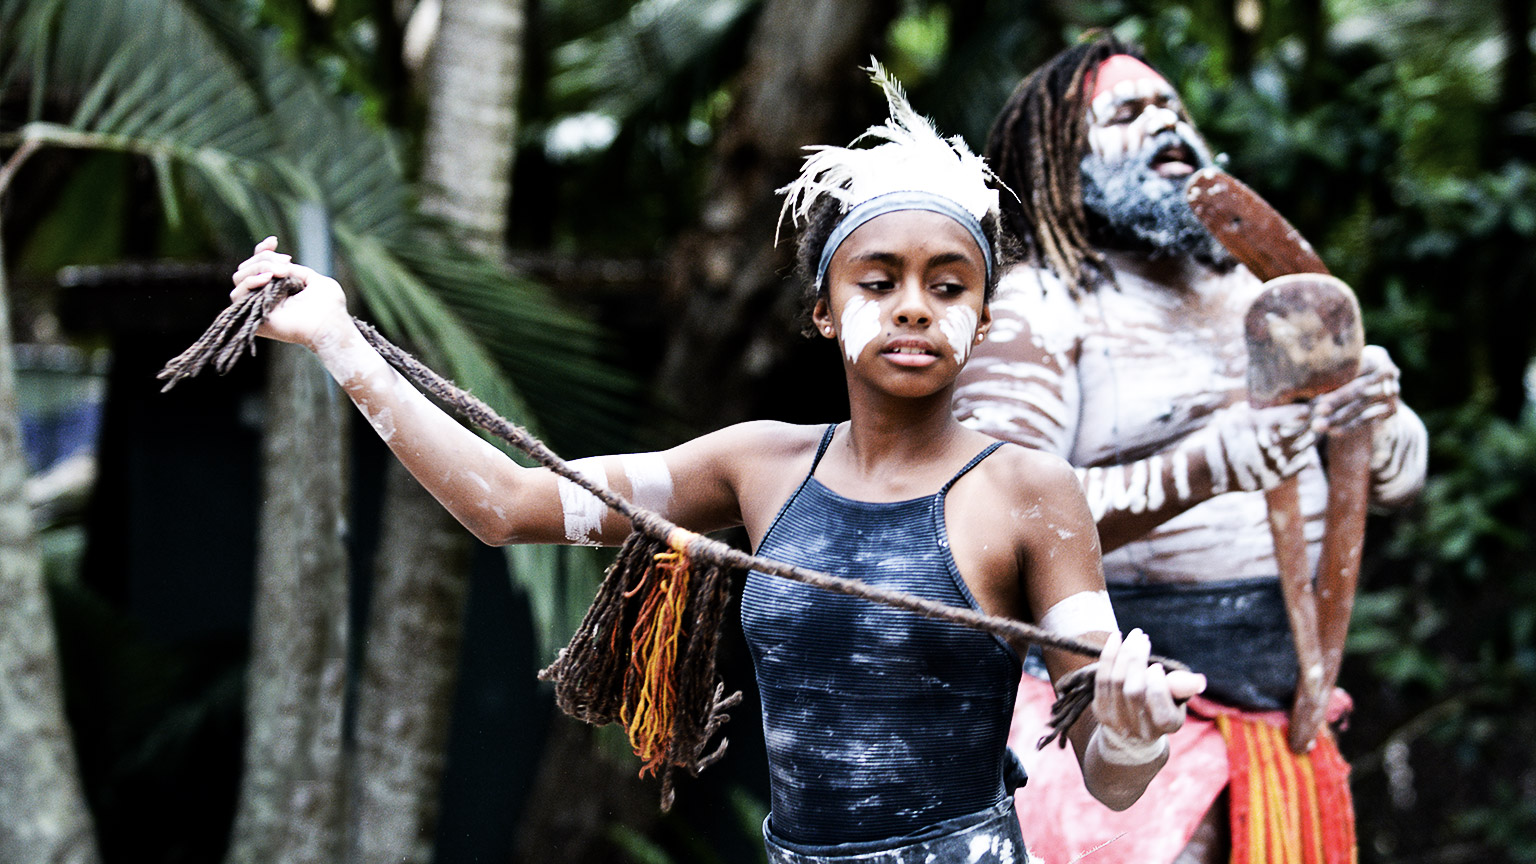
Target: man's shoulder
{"x": 1033, "y": 300}
{"x": 1026, "y": 282}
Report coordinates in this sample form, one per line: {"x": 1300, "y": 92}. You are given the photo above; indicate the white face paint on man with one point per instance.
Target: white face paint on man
{"x": 1133, "y": 105}
{"x": 1141, "y": 151}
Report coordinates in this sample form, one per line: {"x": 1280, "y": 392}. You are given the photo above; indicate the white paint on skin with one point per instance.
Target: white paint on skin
{"x": 485, "y": 486}
{"x": 351, "y": 362}
{"x": 1181, "y": 474}
{"x": 1155, "y": 496}
{"x": 959, "y": 327}
{"x": 382, "y": 420}
{"x": 1160, "y": 111}
{"x": 583, "y": 511}
{"x": 1398, "y": 457}
{"x": 1036, "y": 303}
{"x": 1136, "y": 368}
{"x": 650, "y": 482}
{"x": 860, "y": 325}
{"x": 1083, "y": 612}
{"x": 1122, "y": 488}
{"x": 1009, "y": 402}
{"x": 1216, "y": 460}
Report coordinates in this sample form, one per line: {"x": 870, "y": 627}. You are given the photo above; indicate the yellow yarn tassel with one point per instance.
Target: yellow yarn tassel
{"x": 650, "y": 691}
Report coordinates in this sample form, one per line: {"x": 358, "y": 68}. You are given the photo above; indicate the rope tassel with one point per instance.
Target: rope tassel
{"x": 644, "y": 656}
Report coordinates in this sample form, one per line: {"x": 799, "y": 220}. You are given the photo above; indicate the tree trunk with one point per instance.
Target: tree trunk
{"x": 406, "y": 689}
{"x": 738, "y": 319}
{"x": 43, "y": 814}
{"x": 291, "y": 796}
{"x": 473, "y": 77}
{"x": 410, "y": 661}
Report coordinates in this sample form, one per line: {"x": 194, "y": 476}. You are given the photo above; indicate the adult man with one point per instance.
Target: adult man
{"x": 1118, "y": 344}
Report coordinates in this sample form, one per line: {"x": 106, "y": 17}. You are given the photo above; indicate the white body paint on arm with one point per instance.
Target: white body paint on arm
{"x": 1083, "y": 612}
{"x": 1399, "y": 458}
{"x": 650, "y": 482}
{"x": 583, "y": 511}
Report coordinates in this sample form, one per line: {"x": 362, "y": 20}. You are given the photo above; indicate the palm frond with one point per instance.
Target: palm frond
{"x": 244, "y": 134}
{"x": 632, "y": 62}
{"x": 259, "y": 135}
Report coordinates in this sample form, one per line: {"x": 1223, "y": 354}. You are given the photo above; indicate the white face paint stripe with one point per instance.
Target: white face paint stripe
{"x": 650, "y": 482}
{"x": 1083, "y": 612}
{"x": 583, "y": 510}
{"x": 959, "y": 327}
{"x": 861, "y": 324}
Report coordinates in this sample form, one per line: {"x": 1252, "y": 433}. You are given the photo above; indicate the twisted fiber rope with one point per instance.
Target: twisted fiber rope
{"x": 234, "y": 331}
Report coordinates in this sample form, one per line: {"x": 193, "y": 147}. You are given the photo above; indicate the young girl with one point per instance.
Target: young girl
{"x": 885, "y": 731}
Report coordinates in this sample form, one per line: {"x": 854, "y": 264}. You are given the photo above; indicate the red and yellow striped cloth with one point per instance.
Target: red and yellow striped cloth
{"x": 1286, "y": 809}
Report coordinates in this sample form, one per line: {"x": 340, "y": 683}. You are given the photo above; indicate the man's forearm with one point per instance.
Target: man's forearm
{"x": 1399, "y": 459}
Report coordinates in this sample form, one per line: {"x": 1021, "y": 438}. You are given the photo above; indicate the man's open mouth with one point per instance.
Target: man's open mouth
{"x": 1174, "y": 159}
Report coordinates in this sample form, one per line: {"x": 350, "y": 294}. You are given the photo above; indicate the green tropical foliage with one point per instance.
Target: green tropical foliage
{"x": 235, "y": 127}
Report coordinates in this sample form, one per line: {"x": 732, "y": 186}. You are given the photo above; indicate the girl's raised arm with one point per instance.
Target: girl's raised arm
{"x": 498, "y": 500}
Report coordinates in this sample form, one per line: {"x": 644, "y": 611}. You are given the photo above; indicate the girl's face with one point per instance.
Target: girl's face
{"x": 905, "y": 300}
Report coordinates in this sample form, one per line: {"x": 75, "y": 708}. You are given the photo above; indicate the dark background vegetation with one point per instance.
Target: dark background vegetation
{"x": 1397, "y": 135}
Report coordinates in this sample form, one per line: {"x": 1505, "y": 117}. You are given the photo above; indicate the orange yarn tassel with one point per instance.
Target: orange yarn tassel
{"x": 650, "y": 691}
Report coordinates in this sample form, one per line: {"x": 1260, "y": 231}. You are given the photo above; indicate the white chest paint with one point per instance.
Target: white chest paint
{"x": 1154, "y": 364}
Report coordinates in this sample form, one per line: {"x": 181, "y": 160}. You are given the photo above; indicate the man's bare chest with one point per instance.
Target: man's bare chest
{"x": 1150, "y": 371}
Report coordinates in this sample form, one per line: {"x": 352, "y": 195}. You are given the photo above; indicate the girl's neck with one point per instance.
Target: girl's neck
{"x": 884, "y": 431}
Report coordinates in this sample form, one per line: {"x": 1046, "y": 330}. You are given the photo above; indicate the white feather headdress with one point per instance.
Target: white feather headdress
{"x": 913, "y": 158}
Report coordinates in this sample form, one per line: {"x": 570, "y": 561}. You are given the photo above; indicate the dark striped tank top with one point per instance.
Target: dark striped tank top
{"x": 879, "y": 723}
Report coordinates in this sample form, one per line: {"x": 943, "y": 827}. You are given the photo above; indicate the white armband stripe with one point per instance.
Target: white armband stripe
{"x": 583, "y": 510}
{"x": 1083, "y": 612}
{"x": 650, "y": 483}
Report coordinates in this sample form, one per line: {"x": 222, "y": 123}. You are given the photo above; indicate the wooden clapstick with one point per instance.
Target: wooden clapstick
{"x": 1304, "y": 338}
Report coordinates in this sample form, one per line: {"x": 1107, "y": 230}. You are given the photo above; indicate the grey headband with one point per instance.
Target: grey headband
{"x": 891, "y": 202}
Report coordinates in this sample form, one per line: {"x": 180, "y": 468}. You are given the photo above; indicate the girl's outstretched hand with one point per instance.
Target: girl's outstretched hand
{"x": 1135, "y": 703}
{"x": 305, "y": 317}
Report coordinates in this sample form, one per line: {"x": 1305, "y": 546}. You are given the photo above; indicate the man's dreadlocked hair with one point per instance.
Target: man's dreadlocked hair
{"x": 1036, "y": 146}
{"x": 825, "y": 215}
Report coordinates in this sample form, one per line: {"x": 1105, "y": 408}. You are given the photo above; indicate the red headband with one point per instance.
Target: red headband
{"x": 1120, "y": 67}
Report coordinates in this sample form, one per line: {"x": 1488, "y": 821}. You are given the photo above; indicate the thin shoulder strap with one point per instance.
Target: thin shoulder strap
{"x": 975, "y": 460}
{"x": 826, "y": 441}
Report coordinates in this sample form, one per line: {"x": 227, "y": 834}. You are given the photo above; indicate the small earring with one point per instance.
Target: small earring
{"x": 980, "y": 338}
